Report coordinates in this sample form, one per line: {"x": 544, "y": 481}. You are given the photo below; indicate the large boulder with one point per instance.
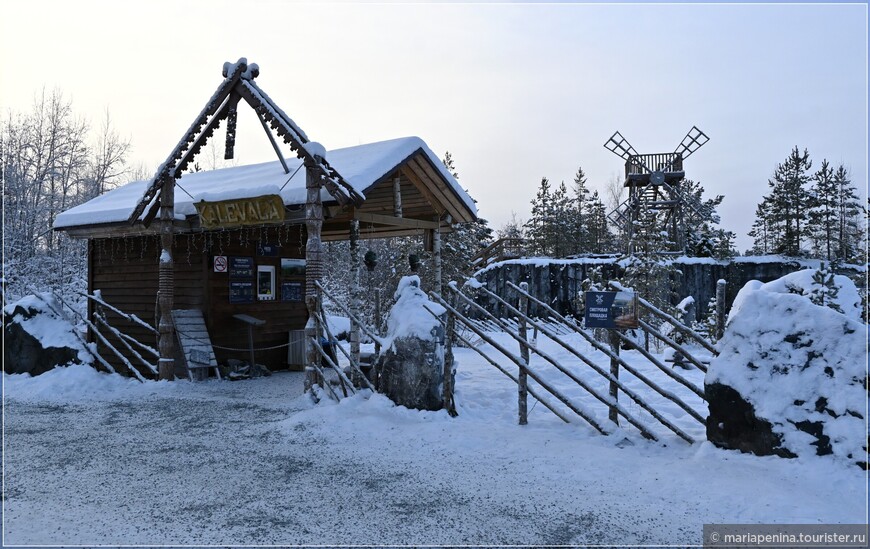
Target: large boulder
{"x": 790, "y": 378}
{"x": 37, "y": 338}
{"x": 411, "y": 366}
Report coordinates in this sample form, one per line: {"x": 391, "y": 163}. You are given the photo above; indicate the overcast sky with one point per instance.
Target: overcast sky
{"x": 514, "y": 91}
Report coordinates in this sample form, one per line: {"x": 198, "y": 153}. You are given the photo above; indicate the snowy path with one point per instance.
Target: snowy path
{"x": 93, "y": 459}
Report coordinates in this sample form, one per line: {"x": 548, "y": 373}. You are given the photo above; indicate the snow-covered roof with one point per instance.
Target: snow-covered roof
{"x": 362, "y": 166}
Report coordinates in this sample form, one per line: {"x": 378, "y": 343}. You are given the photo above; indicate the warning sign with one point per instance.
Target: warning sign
{"x": 220, "y": 263}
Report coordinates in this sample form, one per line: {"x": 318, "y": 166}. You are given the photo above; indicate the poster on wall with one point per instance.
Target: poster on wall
{"x": 241, "y": 291}
{"x": 291, "y": 291}
{"x": 292, "y": 267}
{"x": 241, "y": 267}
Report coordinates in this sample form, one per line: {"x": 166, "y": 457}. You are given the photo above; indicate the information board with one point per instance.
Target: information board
{"x": 612, "y": 310}
{"x": 241, "y": 291}
{"x": 291, "y": 291}
{"x": 241, "y": 267}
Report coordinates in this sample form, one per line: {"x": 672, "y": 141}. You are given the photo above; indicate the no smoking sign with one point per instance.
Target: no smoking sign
{"x": 220, "y": 263}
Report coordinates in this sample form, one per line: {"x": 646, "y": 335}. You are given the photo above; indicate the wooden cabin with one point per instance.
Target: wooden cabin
{"x": 240, "y": 236}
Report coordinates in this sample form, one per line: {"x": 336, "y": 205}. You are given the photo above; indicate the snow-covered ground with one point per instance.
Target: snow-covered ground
{"x": 97, "y": 459}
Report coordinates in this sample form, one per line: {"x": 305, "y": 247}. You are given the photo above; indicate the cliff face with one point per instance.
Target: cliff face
{"x": 559, "y": 281}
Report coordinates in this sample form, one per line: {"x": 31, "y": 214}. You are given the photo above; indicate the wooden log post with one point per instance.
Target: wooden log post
{"x": 397, "y": 196}
{"x": 377, "y": 320}
{"x": 313, "y": 271}
{"x": 614, "y": 371}
{"x": 355, "y": 294}
{"x": 522, "y": 378}
{"x": 166, "y": 282}
{"x": 720, "y": 309}
{"x": 436, "y": 252}
{"x": 449, "y": 336}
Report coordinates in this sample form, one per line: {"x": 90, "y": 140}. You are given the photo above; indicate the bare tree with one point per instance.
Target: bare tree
{"x": 48, "y": 167}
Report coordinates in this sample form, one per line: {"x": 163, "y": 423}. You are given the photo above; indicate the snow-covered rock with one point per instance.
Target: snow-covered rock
{"x": 790, "y": 378}
{"x": 847, "y": 299}
{"x": 38, "y": 338}
{"x": 411, "y": 369}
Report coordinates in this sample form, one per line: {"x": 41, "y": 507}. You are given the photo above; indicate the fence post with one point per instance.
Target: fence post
{"x": 614, "y": 371}
{"x": 720, "y": 309}
{"x": 522, "y": 378}
{"x": 449, "y": 334}
{"x": 355, "y": 292}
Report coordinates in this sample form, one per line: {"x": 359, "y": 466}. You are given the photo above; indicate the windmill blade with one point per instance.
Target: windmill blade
{"x": 620, "y": 146}
{"x": 693, "y": 141}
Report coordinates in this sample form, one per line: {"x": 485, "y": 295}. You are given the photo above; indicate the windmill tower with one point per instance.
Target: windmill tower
{"x": 656, "y": 202}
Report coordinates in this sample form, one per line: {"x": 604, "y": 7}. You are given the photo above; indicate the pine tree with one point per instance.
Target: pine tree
{"x": 597, "y": 232}
{"x": 562, "y": 223}
{"x": 762, "y": 229}
{"x": 789, "y": 203}
{"x": 824, "y": 291}
{"x": 849, "y": 240}
{"x": 448, "y": 163}
{"x": 581, "y": 218}
{"x": 513, "y": 228}
{"x": 823, "y": 218}
{"x": 537, "y": 228}
{"x": 459, "y": 246}
{"x": 703, "y": 237}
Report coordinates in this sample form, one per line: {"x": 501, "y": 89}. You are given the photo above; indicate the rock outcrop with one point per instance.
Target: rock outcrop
{"x": 37, "y": 338}
{"x": 411, "y": 367}
{"x": 790, "y": 379}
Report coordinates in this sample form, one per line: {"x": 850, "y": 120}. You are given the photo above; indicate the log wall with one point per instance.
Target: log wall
{"x": 124, "y": 270}
{"x": 558, "y": 282}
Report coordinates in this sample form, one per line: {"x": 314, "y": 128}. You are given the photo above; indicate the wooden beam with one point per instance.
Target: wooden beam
{"x": 408, "y": 171}
{"x": 397, "y": 196}
{"x": 210, "y": 108}
{"x": 452, "y": 202}
{"x": 273, "y": 142}
{"x": 396, "y": 221}
{"x": 368, "y": 234}
{"x": 230, "y": 104}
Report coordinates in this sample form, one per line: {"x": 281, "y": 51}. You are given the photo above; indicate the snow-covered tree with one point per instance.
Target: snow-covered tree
{"x": 538, "y": 227}
{"x": 704, "y": 237}
{"x": 51, "y": 162}
{"x": 512, "y": 228}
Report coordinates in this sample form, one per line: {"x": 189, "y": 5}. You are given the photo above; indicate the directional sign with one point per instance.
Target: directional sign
{"x": 612, "y": 310}
{"x": 220, "y": 263}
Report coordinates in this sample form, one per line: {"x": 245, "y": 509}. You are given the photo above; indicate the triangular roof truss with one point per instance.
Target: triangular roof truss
{"x": 239, "y": 84}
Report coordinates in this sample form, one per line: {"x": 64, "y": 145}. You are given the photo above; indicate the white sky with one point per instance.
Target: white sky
{"x": 514, "y": 91}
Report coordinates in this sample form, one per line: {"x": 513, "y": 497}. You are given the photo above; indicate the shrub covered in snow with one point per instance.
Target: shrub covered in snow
{"x": 790, "y": 378}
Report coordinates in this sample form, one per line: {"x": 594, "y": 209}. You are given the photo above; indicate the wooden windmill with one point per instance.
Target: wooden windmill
{"x": 656, "y": 201}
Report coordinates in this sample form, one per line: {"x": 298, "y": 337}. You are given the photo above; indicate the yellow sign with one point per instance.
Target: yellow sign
{"x": 260, "y": 210}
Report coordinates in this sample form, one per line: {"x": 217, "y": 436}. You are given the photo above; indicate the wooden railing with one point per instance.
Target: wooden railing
{"x": 503, "y": 248}
{"x": 642, "y": 164}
